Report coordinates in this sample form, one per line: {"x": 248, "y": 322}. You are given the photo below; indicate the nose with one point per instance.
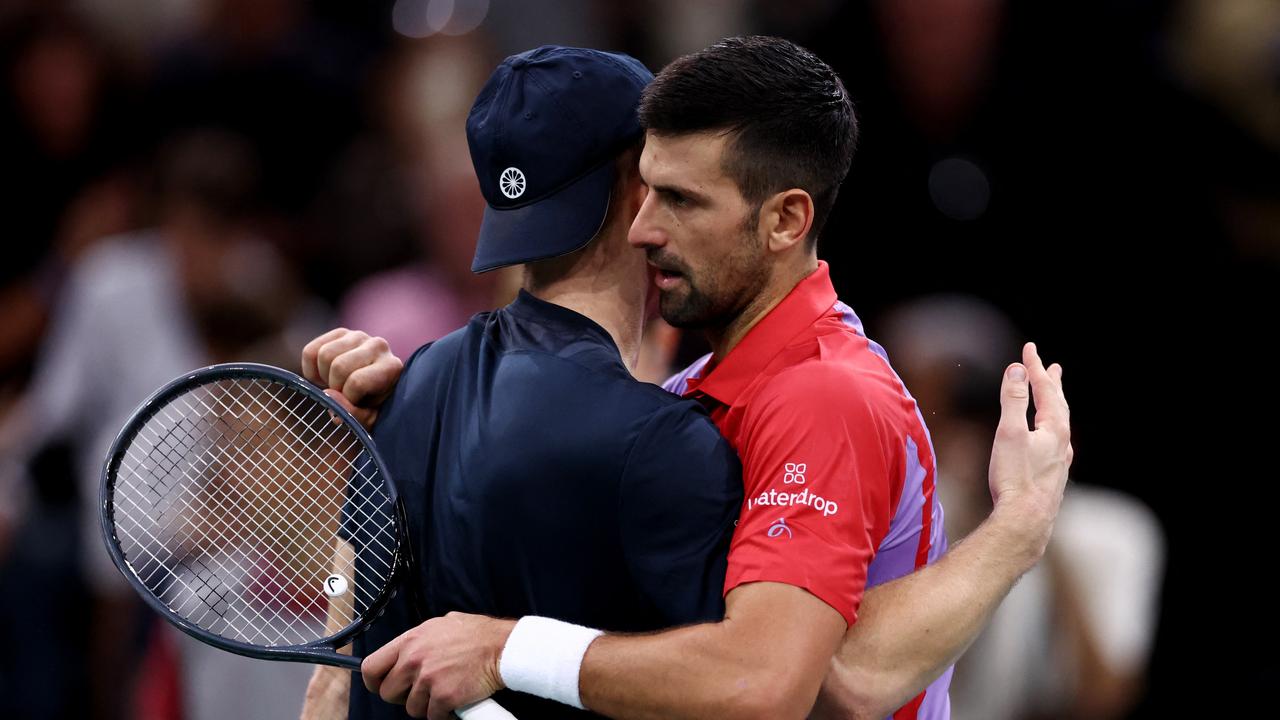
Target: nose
{"x": 645, "y": 233}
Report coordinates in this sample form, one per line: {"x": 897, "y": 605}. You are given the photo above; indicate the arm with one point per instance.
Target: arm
{"x": 764, "y": 660}
{"x": 359, "y": 372}
{"x": 796, "y": 569}
{"x": 912, "y": 629}
{"x": 330, "y": 687}
{"x": 680, "y": 494}
{"x": 899, "y": 647}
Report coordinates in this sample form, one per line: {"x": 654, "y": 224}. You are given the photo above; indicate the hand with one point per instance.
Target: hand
{"x": 1028, "y": 472}
{"x": 327, "y": 694}
{"x": 359, "y": 371}
{"x": 442, "y": 664}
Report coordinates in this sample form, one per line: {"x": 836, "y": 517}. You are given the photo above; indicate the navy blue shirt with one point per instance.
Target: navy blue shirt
{"x": 540, "y": 478}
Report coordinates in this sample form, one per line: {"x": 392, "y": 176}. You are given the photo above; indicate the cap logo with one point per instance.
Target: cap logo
{"x": 511, "y": 183}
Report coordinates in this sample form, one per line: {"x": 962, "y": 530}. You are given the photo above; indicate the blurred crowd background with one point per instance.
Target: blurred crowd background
{"x": 192, "y": 181}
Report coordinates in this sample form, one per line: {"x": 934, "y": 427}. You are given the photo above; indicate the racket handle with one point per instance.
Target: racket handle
{"x": 340, "y": 660}
{"x": 483, "y": 710}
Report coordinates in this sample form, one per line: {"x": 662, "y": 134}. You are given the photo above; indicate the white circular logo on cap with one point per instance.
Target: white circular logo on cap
{"x": 511, "y": 182}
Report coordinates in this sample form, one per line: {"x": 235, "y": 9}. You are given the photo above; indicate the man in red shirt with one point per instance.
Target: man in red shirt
{"x": 746, "y": 146}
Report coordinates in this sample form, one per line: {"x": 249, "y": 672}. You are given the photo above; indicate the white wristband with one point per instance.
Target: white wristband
{"x": 542, "y": 657}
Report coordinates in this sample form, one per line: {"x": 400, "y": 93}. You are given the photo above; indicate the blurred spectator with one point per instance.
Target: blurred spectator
{"x": 135, "y": 28}
{"x": 1119, "y": 157}
{"x": 678, "y": 28}
{"x": 286, "y": 80}
{"x": 137, "y": 311}
{"x": 1073, "y": 639}
{"x": 63, "y": 137}
{"x": 414, "y": 193}
{"x": 518, "y": 25}
{"x": 1228, "y": 52}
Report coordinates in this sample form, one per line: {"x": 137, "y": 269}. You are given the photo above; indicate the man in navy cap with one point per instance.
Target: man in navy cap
{"x": 539, "y": 477}
{"x": 792, "y": 374}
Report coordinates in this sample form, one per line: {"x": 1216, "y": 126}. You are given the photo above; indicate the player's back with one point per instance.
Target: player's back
{"x": 540, "y": 478}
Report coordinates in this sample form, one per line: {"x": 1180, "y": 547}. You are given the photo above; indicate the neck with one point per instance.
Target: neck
{"x": 609, "y": 290}
{"x": 780, "y": 284}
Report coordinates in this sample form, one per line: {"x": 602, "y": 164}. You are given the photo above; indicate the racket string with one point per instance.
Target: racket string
{"x": 368, "y": 518}
{"x": 249, "y": 485}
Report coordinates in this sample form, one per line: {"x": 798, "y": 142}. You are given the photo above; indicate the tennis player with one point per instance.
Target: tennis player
{"x": 747, "y": 143}
{"x": 538, "y": 476}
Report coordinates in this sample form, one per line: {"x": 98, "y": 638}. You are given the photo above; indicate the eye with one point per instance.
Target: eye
{"x": 674, "y": 198}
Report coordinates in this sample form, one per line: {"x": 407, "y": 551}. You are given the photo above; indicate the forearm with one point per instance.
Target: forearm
{"x": 910, "y": 630}
{"x": 681, "y": 673}
{"x": 759, "y": 662}
{"x": 328, "y": 694}
{"x": 341, "y": 607}
{"x": 329, "y": 690}
{"x": 693, "y": 672}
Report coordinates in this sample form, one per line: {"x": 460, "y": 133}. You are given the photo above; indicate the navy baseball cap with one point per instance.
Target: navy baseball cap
{"x": 543, "y": 134}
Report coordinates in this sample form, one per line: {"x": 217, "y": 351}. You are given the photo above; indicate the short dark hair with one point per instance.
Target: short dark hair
{"x": 791, "y": 118}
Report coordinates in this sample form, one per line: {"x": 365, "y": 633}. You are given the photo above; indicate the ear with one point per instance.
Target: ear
{"x": 633, "y": 190}
{"x": 786, "y": 219}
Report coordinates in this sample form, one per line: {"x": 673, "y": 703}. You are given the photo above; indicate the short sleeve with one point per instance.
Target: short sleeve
{"x": 817, "y": 478}
{"x": 363, "y": 489}
{"x": 680, "y": 492}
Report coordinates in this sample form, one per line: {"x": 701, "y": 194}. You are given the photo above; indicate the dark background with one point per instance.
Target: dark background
{"x": 1106, "y": 172}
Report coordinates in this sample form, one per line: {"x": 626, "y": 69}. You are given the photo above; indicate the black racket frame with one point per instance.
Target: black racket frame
{"x": 322, "y": 651}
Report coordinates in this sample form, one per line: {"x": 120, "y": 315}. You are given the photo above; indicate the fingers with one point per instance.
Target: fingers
{"x": 371, "y": 383}
{"x": 364, "y": 416}
{"x": 438, "y": 709}
{"x": 1046, "y": 390}
{"x": 311, "y": 352}
{"x": 1014, "y": 396}
{"x": 342, "y": 400}
{"x": 369, "y": 352}
{"x": 375, "y": 667}
{"x": 416, "y": 704}
{"x": 360, "y": 366}
{"x": 397, "y": 684}
{"x": 333, "y": 363}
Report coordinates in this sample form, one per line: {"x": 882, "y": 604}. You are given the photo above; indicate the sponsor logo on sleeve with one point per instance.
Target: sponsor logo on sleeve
{"x": 794, "y": 474}
{"x": 774, "y": 498}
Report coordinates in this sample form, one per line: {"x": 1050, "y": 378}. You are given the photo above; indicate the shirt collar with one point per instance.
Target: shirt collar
{"x": 568, "y": 325}
{"x": 808, "y": 300}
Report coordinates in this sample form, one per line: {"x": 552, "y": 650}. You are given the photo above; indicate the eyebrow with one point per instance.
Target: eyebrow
{"x": 679, "y": 190}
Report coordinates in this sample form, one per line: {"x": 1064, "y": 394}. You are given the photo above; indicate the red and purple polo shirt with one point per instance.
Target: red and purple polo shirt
{"x": 838, "y": 467}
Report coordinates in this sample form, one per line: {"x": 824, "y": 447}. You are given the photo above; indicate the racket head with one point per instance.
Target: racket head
{"x": 222, "y": 500}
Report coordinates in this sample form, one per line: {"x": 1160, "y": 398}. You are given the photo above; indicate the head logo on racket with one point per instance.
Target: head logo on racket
{"x": 335, "y": 586}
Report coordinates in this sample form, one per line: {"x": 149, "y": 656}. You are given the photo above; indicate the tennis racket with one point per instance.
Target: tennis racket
{"x": 254, "y": 513}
